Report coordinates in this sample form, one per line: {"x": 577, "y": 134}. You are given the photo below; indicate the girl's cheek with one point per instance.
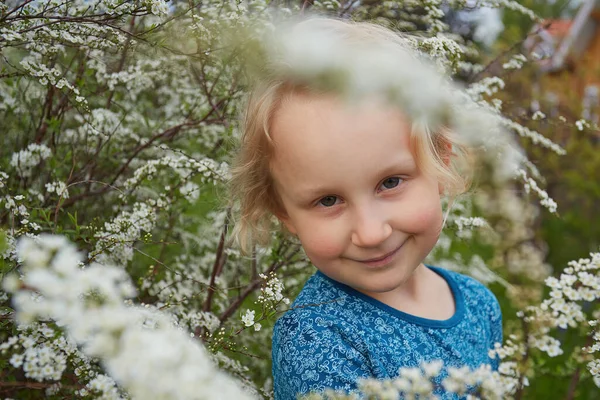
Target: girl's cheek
{"x": 321, "y": 242}
{"x": 425, "y": 217}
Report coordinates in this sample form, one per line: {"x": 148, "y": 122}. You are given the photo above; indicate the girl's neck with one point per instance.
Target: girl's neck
{"x": 424, "y": 294}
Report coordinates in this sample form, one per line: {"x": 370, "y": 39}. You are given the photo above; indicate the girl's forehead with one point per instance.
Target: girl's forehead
{"x": 311, "y": 135}
{"x": 324, "y": 118}
{"x": 333, "y": 103}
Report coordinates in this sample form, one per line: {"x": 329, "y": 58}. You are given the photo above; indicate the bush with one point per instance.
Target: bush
{"x": 119, "y": 120}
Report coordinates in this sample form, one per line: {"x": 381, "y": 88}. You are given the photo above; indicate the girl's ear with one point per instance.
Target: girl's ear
{"x": 283, "y": 217}
{"x": 447, "y": 153}
{"x": 290, "y": 227}
{"x": 278, "y": 210}
{"x": 446, "y": 158}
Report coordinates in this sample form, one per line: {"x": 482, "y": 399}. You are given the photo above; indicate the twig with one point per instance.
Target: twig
{"x": 218, "y": 264}
{"x": 348, "y": 7}
{"x": 306, "y": 3}
{"x": 46, "y": 111}
{"x": 577, "y": 375}
{"x": 507, "y": 51}
{"x": 169, "y": 134}
{"x": 16, "y": 8}
{"x": 122, "y": 60}
{"x": 60, "y": 197}
{"x": 521, "y": 385}
{"x": 255, "y": 284}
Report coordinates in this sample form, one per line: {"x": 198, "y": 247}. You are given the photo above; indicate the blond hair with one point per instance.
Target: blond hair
{"x": 437, "y": 151}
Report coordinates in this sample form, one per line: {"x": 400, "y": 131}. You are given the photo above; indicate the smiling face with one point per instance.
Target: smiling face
{"x": 352, "y": 192}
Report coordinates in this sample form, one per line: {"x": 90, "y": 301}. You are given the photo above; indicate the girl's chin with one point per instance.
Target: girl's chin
{"x": 386, "y": 281}
{"x": 379, "y": 285}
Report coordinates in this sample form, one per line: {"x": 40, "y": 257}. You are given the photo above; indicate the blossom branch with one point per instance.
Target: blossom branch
{"x": 120, "y": 336}
{"x": 168, "y": 134}
{"x": 15, "y": 9}
{"x": 256, "y": 284}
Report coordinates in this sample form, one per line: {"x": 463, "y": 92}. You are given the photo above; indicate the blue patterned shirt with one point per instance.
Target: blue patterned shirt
{"x": 333, "y": 335}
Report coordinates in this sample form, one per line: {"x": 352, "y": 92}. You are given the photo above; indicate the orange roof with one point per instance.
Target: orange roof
{"x": 557, "y": 27}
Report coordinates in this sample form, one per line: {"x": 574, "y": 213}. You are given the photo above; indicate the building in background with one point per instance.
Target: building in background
{"x": 568, "y": 54}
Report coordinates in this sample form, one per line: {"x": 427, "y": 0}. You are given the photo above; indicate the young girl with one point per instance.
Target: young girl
{"x": 360, "y": 185}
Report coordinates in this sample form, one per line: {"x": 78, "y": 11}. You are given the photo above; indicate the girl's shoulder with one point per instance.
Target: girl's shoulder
{"x": 476, "y": 295}
{"x": 321, "y": 306}
{"x": 320, "y": 296}
{"x": 468, "y": 284}
{"x": 318, "y": 290}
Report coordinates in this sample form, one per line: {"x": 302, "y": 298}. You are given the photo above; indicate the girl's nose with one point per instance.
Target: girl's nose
{"x": 370, "y": 229}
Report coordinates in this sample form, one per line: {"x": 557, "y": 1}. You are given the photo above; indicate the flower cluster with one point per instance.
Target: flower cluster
{"x": 272, "y": 290}
{"x": 41, "y": 359}
{"x": 19, "y": 210}
{"x": 50, "y": 76}
{"x": 420, "y": 383}
{"x": 27, "y": 159}
{"x": 141, "y": 349}
{"x": 248, "y": 318}
{"x": 42, "y": 353}
{"x": 3, "y": 178}
{"x": 516, "y": 62}
{"x": 116, "y": 242}
{"x": 579, "y": 282}
{"x": 531, "y": 185}
{"x": 469, "y": 222}
{"x": 445, "y": 51}
{"x": 538, "y": 115}
{"x": 157, "y": 7}
{"x": 102, "y": 387}
{"x": 487, "y": 86}
{"x": 594, "y": 365}
{"x": 270, "y": 297}
{"x": 59, "y": 188}
{"x": 534, "y": 136}
{"x": 185, "y": 167}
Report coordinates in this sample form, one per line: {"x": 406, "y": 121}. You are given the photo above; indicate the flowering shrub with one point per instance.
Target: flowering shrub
{"x": 88, "y": 303}
{"x": 117, "y": 124}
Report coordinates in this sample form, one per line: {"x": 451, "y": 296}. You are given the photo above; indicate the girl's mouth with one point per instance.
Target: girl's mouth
{"x": 382, "y": 260}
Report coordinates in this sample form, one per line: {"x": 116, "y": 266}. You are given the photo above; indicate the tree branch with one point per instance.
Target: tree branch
{"x": 168, "y": 134}
{"x": 220, "y": 259}
{"x": 256, "y": 283}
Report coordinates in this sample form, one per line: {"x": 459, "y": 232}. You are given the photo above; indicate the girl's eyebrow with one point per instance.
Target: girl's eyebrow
{"x": 313, "y": 193}
{"x": 404, "y": 164}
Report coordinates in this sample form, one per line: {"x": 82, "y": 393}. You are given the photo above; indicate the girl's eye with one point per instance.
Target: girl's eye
{"x": 391, "y": 182}
{"x": 328, "y": 201}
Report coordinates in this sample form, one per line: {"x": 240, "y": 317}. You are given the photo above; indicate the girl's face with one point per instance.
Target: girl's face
{"x": 351, "y": 191}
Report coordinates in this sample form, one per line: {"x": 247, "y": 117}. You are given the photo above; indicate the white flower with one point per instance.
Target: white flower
{"x": 60, "y": 188}
{"x": 538, "y": 115}
{"x": 248, "y": 318}
{"x": 190, "y": 191}
{"x": 157, "y": 7}
{"x": 516, "y": 62}
{"x": 11, "y": 283}
{"x": 433, "y": 368}
{"x": 25, "y": 160}
{"x": 272, "y": 290}
{"x": 16, "y": 360}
